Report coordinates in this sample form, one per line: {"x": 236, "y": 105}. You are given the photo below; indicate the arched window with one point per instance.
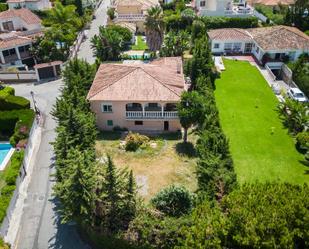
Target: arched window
{"x": 170, "y": 107}
{"x": 153, "y": 107}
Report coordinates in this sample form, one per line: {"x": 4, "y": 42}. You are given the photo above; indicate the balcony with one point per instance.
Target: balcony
{"x": 151, "y": 115}
{"x": 239, "y": 10}
{"x": 129, "y": 17}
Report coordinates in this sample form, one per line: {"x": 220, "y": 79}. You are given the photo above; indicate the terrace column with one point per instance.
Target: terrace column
{"x": 162, "y": 110}
{"x": 2, "y": 58}
{"x": 143, "y": 110}
{"x": 17, "y": 52}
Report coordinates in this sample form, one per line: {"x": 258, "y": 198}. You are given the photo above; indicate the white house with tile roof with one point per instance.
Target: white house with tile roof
{"x": 29, "y": 4}
{"x": 18, "y": 29}
{"x": 277, "y": 42}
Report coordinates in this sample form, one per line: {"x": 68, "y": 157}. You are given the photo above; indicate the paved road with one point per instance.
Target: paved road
{"x": 85, "y": 51}
{"x": 40, "y": 227}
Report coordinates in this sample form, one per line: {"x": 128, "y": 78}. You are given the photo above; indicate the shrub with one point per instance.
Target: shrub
{"x": 11, "y": 174}
{"x": 16, "y": 123}
{"x": 11, "y": 102}
{"x": 111, "y": 13}
{"x": 151, "y": 230}
{"x": 8, "y": 101}
{"x": 3, "y": 7}
{"x": 302, "y": 141}
{"x": 135, "y": 141}
{"x": 7, "y": 91}
{"x": 173, "y": 201}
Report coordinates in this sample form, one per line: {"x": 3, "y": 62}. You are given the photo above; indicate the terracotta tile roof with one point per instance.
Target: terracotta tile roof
{"x": 134, "y": 82}
{"x": 12, "y": 39}
{"x": 268, "y": 38}
{"x": 48, "y": 64}
{"x": 280, "y": 38}
{"x": 271, "y": 2}
{"x": 145, "y": 4}
{"x": 229, "y": 34}
{"x": 26, "y": 15}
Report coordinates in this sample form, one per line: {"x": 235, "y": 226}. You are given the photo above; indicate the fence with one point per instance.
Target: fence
{"x": 23, "y": 172}
{"x": 261, "y": 16}
{"x": 273, "y": 77}
{"x": 20, "y": 76}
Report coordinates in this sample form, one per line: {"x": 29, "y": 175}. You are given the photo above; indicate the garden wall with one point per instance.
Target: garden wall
{"x": 32, "y": 140}
{"x": 21, "y": 76}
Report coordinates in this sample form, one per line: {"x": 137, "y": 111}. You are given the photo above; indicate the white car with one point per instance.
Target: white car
{"x": 296, "y": 94}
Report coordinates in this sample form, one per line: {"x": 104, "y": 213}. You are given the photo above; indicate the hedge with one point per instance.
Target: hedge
{"x": 9, "y": 176}
{"x": 8, "y": 101}
{"x": 229, "y": 22}
{"x": 16, "y": 123}
{"x": 7, "y": 91}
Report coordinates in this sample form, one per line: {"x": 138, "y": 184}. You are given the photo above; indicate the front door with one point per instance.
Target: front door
{"x": 166, "y": 125}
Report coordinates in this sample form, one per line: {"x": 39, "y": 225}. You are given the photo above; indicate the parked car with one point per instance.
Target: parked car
{"x": 296, "y": 94}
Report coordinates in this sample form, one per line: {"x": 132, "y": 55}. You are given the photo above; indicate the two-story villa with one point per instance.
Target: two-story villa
{"x": 18, "y": 29}
{"x": 132, "y": 11}
{"x": 139, "y": 97}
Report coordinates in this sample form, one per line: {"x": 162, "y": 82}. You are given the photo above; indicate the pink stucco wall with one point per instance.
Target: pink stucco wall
{"x": 118, "y": 116}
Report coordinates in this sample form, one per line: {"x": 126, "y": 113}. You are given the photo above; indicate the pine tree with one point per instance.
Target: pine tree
{"x": 75, "y": 191}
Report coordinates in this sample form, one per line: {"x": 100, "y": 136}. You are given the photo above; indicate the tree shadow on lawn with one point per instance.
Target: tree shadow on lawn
{"x": 186, "y": 149}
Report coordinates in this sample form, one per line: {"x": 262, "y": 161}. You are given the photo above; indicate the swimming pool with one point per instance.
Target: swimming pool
{"x": 6, "y": 151}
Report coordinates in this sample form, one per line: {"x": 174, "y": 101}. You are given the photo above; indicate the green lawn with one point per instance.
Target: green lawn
{"x": 261, "y": 148}
{"x": 141, "y": 44}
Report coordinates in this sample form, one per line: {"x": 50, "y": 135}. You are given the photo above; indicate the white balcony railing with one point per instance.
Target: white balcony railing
{"x": 151, "y": 115}
{"x": 130, "y": 17}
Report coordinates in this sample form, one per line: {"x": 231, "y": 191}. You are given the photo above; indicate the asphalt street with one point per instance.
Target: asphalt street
{"x": 40, "y": 227}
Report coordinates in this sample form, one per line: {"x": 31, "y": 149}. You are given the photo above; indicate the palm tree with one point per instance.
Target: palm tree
{"x": 60, "y": 15}
{"x": 154, "y": 28}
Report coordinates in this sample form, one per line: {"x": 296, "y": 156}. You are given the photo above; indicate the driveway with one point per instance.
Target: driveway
{"x": 40, "y": 227}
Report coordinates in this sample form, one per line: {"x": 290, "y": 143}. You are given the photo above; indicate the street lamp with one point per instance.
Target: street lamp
{"x": 37, "y": 111}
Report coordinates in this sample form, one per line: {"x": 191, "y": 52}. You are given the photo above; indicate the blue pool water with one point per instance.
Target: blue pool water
{"x": 4, "y": 150}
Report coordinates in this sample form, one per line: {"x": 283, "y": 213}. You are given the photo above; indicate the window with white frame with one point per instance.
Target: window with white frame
{"x": 217, "y": 45}
{"x": 202, "y": 3}
{"x": 107, "y": 107}
{"x": 228, "y": 46}
{"x": 237, "y": 46}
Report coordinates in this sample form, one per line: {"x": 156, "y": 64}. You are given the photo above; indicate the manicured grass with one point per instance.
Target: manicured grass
{"x": 141, "y": 44}
{"x": 261, "y": 148}
{"x": 168, "y": 163}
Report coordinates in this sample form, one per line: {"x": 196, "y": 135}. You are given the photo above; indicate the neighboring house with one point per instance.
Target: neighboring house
{"x": 18, "y": 30}
{"x": 29, "y": 4}
{"x": 274, "y": 3}
{"x": 223, "y": 8}
{"x": 133, "y": 11}
{"x": 274, "y": 43}
{"x": 139, "y": 97}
